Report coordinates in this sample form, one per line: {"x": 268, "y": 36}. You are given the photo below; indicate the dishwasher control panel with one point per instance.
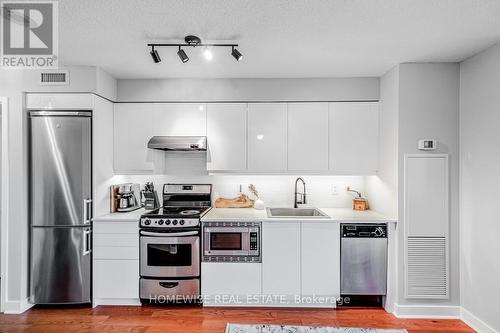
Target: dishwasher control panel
{"x": 364, "y": 230}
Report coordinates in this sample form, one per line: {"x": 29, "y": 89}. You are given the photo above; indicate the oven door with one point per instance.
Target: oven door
{"x": 226, "y": 241}
{"x": 169, "y": 255}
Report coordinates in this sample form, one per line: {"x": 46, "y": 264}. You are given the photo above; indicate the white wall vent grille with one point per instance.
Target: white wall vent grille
{"x": 54, "y": 78}
{"x": 426, "y": 270}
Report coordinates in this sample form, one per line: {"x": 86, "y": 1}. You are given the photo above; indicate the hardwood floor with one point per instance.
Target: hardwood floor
{"x": 150, "y": 319}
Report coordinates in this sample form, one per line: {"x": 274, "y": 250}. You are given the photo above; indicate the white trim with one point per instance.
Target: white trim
{"x": 427, "y": 311}
{"x": 116, "y": 301}
{"x": 474, "y": 322}
{"x": 5, "y": 202}
{"x": 16, "y": 307}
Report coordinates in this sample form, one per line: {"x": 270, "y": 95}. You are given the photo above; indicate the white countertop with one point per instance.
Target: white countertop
{"x": 349, "y": 215}
{"x": 335, "y": 214}
{"x": 132, "y": 216}
{"x": 235, "y": 214}
{"x": 250, "y": 214}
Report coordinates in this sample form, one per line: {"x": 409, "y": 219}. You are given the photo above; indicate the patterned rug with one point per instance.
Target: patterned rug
{"x": 240, "y": 328}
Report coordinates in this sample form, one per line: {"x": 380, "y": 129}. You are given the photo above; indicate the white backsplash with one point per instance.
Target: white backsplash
{"x": 275, "y": 190}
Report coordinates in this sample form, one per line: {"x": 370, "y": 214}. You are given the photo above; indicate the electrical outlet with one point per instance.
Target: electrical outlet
{"x": 335, "y": 190}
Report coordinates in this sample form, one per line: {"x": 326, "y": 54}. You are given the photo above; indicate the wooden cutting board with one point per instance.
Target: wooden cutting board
{"x": 242, "y": 201}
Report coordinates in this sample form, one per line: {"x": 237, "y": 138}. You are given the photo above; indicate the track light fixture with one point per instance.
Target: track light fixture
{"x": 193, "y": 41}
{"x": 155, "y": 55}
{"x": 236, "y": 54}
{"x": 182, "y": 55}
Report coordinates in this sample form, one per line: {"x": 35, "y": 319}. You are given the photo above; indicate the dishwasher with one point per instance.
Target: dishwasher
{"x": 363, "y": 262}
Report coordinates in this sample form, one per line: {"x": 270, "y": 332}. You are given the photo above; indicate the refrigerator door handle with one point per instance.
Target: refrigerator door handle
{"x": 86, "y": 215}
{"x": 86, "y": 242}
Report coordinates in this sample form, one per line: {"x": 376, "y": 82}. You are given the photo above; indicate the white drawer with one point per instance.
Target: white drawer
{"x": 116, "y": 279}
{"x": 127, "y": 240}
{"x": 116, "y": 227}
{"x": 60, "y": 101}
{"x": 116, "y": 252}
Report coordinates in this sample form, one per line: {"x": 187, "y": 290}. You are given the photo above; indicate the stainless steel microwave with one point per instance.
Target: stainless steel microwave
{"x": 232, "y": 241}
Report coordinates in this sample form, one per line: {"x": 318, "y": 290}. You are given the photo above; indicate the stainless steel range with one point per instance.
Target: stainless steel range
{"x": 170, "y": 245}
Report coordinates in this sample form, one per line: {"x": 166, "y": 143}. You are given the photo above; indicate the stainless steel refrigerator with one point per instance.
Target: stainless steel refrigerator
{"x": 60, "y": 206}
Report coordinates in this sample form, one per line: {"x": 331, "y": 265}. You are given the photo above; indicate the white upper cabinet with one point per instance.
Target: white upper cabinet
{"x": 179, "y": 119}
{"x": 354, "y": 135}
{"x": 267, "y": 136}
{"x": 308, "y": 136}
{"x": 227, "y": 136}
{"x": 133, "y": 125}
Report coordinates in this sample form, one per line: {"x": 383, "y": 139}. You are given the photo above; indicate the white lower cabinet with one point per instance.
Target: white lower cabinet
{"x": 116, "y": 263}
{"x": 281, "y": 262}
{"x": 320, "y": 262}
{"x": 301, "y": 263}
{"x": 231, "y": 284}
{"x": 116, "y": 281}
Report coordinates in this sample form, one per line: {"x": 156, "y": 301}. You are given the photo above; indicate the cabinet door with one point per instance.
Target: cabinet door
{"x": 320, "y": 259}
{"x": 226, "y": 136}
{"x": 179, "y": 119}
{"x": 237, "y": 280}
{"x": 267, "y": 136}
{"x": 133, "y": 124}
{"x": 354, "y": 136}
{"x": 116, "y": 279}
{"x": 308, "y": 136}
{"x": 281, "y": 259}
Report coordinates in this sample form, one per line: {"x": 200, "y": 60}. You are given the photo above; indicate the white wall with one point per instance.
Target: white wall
{"x": 275, "y": 190}
{"x": 480, "y": 183}
{"x": 11, "y": 83}
{"x": 382, "y": 188}
{"x": 428, "y": 108}
{"x": 186, "y": 90}
{"x": 82, "y": 79}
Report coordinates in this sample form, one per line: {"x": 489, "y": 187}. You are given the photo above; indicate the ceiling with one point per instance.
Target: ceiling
{"x": 278, "y": 38}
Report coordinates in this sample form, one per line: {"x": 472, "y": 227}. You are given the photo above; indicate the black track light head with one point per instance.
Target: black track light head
{"x": 182, "y": 55}
{"x": 236, "y": 54}
{"x": 155, "y": 55}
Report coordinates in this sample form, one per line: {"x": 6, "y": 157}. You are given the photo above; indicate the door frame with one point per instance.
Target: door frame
{"x": 4, "y": 102}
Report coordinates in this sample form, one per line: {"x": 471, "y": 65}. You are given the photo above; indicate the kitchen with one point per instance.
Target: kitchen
{"x": 194, "y": 178}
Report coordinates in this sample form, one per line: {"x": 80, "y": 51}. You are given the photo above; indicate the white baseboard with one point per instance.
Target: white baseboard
{"x": 474, "y": 322}
{"x": 427, "y": 311}
{"x": 17, "y": 307}
{"x": 116, "y": 301}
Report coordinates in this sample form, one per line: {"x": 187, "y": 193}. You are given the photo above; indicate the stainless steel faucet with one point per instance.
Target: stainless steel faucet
{"x": 302, "y": 195}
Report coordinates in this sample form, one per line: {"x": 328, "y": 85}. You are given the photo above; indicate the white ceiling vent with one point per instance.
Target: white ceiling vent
{"x": 54, "y": 78}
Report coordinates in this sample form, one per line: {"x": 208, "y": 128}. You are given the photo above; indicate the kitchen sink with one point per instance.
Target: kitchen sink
{"x": 296, "y": 213}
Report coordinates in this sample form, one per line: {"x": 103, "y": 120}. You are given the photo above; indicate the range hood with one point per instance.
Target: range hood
{"x": 178, "y": 143}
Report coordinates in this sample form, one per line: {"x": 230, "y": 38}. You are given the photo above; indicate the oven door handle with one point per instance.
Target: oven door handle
{"x": 168, "y": 234}
{"x": 169, "y": 285}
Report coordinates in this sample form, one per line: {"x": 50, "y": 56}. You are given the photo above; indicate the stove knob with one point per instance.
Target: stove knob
{"x": 160, "y": 222}
{"x": 167, "y": 222}
{"x": 181, "y": 222}
{"x": 174, "y": 222}
{"x": 147, "y": 222}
